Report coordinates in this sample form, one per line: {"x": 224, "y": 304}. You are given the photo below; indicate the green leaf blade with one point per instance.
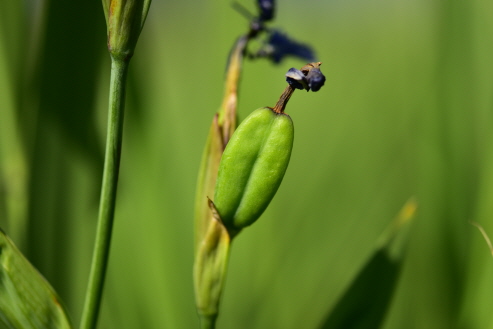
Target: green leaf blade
{"x": 27, "y": 301}
{"x": 366, "y": 302}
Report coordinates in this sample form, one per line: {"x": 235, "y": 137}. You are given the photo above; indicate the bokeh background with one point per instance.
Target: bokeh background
{"x": 407, "y": 111}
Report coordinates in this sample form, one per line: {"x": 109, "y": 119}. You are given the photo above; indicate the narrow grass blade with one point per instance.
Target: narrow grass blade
{"x": 27, "y": 301}
{"x": 365, "y": 303}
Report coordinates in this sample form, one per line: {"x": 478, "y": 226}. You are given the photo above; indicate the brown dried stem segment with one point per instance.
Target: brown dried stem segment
{"x": 284, "y": 99}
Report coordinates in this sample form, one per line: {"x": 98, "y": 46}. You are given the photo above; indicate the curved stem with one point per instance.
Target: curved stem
{"x": 284, "y": 99}
{"x": 99, "y": 263}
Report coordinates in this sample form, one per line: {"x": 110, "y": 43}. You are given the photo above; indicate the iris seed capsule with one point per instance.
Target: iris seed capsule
{"x": 257, "y": 156}
{"x": 253, "y": 166}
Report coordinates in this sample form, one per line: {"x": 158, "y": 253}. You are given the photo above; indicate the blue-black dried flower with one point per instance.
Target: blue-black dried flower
{"x": 266, "y": 9}
{"x": 280, "y": 45}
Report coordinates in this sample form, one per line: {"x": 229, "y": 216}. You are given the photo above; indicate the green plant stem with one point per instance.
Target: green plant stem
{"x": 99, "y": 263}
{"x": 208, "y": 321}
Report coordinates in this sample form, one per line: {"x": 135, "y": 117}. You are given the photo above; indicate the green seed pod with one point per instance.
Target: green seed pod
{"x": 252, "y": 167}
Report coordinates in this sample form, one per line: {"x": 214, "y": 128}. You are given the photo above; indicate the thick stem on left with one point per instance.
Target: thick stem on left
{"x": 99, "y": 263}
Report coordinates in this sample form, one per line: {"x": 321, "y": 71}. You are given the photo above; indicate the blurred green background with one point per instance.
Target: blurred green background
{"x": 407, "y": 111}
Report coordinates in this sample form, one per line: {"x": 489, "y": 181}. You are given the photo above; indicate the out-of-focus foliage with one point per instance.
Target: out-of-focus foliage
{"x": 366, "y": 301}
{"x": 27, "y": 301}
{"x": 407, "y": 110}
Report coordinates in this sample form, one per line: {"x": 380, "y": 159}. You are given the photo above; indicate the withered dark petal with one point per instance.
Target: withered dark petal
{"x": 296, "y": 79}
{"x": 315, "y": 79}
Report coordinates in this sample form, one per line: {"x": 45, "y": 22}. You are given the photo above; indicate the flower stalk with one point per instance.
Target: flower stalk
{"x": 99, "y": 264}
{"x": 125, "y": 19}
